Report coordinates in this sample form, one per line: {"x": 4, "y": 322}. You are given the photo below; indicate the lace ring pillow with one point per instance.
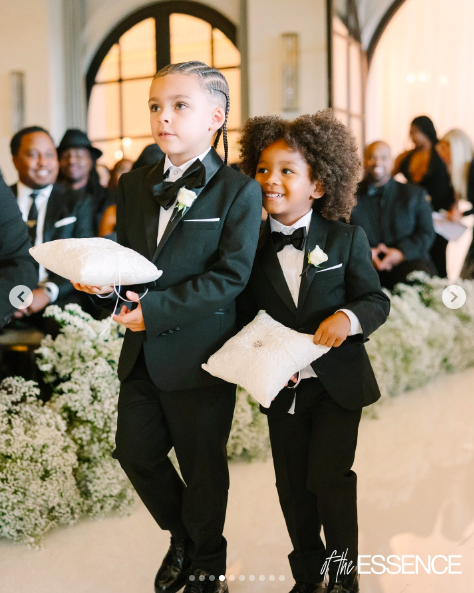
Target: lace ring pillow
{"x": 95, "y": 262}
{"x": 263, "y": 356}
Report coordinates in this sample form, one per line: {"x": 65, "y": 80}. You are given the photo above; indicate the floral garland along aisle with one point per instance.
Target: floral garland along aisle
{"x": 55, "y": 458}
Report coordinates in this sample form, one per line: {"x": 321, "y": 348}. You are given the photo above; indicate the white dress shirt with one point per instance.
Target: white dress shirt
{"x": 174, "y": 174}
{"x": 292, "y": 263}
{"x": 25, "y": 201}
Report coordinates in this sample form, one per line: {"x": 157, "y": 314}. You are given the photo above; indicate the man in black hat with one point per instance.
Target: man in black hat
{"x": 77, "y": 161}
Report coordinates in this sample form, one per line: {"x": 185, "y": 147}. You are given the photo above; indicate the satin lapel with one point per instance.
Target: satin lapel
{"x": 150, "y": 207}
{"x": 269, "y": 260}
{"x": 212, "y": 163}
{"x": 316, "y": 236}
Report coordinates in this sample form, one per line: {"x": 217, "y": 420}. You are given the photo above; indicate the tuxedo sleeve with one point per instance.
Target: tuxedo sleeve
{"x": 223, "y": 281}
{"x": 364, "y": 294}
{"x": 419, "y": 243}
{"x": 247, "y": 307}
{"x": 16, "y": 264}
{"x": 82, "y": 230}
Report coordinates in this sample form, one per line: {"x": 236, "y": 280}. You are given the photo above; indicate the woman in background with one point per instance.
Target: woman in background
{"x": 423, "y": 166}
{"x": 457, "y": 151}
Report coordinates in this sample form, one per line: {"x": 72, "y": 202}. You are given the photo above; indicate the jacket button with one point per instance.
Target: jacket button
{"x": 301, "y": 330}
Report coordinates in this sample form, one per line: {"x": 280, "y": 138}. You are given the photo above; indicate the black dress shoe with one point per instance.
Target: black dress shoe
{"x": 202, "y": 582}
{"x": 175, "y": 569}
{"x": 344, "y": 583}
{"x": 310, "y": 587}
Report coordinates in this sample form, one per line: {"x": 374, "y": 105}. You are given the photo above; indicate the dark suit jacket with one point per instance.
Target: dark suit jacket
{"x": 345, "y": 372}
{"x": 16, "y": 264}
{"x": 407, "y": 223}
{"x": 205, "y": 266}
{"x": 63, "y": 204}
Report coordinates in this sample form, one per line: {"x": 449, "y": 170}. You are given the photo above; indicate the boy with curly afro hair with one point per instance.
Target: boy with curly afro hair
{"x": 314, "y": 274}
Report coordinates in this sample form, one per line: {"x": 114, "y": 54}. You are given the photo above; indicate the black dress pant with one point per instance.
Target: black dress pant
{"x": 313, "y": 452}
{"x": 197, "y": 424}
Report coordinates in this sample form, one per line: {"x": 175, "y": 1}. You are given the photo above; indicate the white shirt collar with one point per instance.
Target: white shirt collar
{"x": 304, "y": 221}
{"x": 185, "y": 166}
{"x": 25, "y": 191}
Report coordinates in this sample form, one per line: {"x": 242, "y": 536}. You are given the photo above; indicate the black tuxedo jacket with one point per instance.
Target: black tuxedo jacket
{"x": 407, "y": 221}
{"x": 16, "y": 264}
{"x": 63, "y": 205}
{"x": 345, "y": 372}
{"x": 205, "y": 263}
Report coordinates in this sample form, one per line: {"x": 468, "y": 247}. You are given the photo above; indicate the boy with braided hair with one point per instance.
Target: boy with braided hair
{"x": 205, "y": 243}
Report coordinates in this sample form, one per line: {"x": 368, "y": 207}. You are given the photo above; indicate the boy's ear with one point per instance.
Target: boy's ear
{"x": 217, "y": 119}
{"x": 317, "y": 190}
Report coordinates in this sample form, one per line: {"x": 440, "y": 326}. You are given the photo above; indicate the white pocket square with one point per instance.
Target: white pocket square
{"x": 64, "y": 221}
{"x": 331, "y": 268}
{"x": 201, "y": 219}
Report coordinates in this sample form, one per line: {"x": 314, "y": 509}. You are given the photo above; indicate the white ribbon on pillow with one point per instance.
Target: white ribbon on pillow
{"x": 119, "y": 296}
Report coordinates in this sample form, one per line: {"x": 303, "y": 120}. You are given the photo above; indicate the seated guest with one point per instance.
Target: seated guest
{"x": 50, "y": 210}
{"x": 16, "y": 264}
{"x": 104, "y": 174}
{"x": 120, "y": 167}
{"x": 77, "y": 169}
{"x": 396, "y": 218}
{"x": 109, "y": 219}
{"x": 457, "y": 152}
{"x": 424, "y": 167}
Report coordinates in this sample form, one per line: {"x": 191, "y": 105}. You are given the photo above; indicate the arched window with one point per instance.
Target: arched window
{"x": 119, "y": 76}
{"x": 347, "y": 67}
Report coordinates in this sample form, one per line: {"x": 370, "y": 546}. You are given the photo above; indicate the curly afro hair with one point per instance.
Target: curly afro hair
{"x": 327, "y": 146}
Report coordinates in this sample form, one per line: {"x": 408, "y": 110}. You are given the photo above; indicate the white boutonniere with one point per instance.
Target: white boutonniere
{"x": 315, "y": 258}
{"x": 186, "y": 199}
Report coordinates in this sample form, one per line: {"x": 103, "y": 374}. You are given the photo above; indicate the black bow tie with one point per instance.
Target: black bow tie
{"x": 165, "y": 193}
{"x": 297, "y": 239}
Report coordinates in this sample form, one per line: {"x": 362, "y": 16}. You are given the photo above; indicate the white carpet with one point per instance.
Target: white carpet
{"x": 416, "y": 492}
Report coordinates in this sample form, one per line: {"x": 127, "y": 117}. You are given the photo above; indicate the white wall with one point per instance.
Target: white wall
{"x": 30, "y": 41}
{"x": 267, "y": 19}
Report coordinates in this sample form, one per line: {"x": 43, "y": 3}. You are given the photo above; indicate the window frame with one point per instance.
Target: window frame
{"x": 350, "y": 20}
{"x": 161, "y": 13}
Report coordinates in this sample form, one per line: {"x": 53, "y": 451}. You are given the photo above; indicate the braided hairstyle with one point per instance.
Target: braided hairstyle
{"x": 213, "y": 82}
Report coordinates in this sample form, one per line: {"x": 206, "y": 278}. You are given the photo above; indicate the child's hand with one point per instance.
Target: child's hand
{"x": 333, "y": 331}
{"x": 92, "y": 289}
{"x": 132, "y": 320}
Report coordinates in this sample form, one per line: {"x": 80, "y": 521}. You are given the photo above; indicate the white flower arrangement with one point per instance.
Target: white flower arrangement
{"x": 55, "y": 459}
{"x": 88, "y": 402}
{"x": 422, "y": 338}
{"x": 37, "y": 460}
